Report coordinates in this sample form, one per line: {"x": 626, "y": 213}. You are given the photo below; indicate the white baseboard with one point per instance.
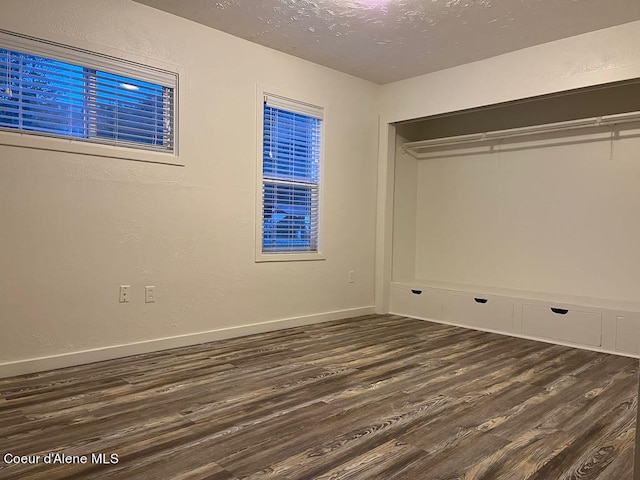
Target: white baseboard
{"x": 32, "y": 365}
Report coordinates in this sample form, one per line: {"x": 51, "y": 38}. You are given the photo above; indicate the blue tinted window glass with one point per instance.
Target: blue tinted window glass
{"x": 41, "y": 95}
{"x": 291, "y": 174}
{"x": 129, "y": 110}
{"x": 287, "y": 217}
{"x": 291, "y": 145}
{"x": 48, "y": 96}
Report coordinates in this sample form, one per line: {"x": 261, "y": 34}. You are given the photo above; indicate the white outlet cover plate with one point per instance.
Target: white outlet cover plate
{"x": 124, "y": 293}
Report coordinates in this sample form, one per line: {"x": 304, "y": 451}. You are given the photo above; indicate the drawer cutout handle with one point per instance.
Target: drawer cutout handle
{"x": 560, "y": 311}
{"x": 481, "y": 300}
{"x": 416, "y": 292}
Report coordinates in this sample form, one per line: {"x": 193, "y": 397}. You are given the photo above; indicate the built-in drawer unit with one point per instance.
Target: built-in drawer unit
{"x": 479, "y": 311}
{"x": 628, "y": 333}
{"x": 562, "y": 324}
{"x": 415, "y": 302}
{"x": 596, "y": 324}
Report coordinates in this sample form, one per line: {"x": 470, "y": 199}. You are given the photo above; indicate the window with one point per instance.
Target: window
{"x": 49, "y": 89}
{"x": 291, "y": 155}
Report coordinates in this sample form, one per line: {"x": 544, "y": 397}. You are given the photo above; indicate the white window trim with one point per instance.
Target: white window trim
{"x": 39, "y": 141}
{"x": 260, "y": 257}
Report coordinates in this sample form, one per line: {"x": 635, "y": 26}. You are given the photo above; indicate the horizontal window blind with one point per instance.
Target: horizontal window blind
{"x": 65, "y": 94}
{"x": 292, "y": 134}
{"x": 91, "y": 60}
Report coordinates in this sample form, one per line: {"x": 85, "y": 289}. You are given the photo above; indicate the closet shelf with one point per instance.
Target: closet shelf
{"x": 420, "y": 149}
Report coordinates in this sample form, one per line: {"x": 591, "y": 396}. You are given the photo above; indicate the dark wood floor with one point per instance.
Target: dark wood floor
{"x": 379, "y": 397}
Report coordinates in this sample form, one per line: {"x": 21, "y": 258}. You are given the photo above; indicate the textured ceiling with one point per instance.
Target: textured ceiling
{"x": 388, "y": 40}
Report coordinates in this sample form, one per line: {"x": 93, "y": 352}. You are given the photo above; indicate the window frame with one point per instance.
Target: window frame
{"x": 292, "y": 256}
{"x": 111, "y": 61}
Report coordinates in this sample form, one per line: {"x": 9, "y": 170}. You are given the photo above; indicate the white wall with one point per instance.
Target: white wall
{"x": 404, "y": 214}
{"x": 594, "y": 58}
{"x": 554, "y": 213}
{"x": 75, "y": 227}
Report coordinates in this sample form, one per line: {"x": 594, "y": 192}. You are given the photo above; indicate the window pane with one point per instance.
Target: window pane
{"x": 129, "y": 110}
{"x": 291, "y": 146}
{"x": 289, "y": 214}
{"x": 41, "y": 95}
{"x": 291, "y": 176}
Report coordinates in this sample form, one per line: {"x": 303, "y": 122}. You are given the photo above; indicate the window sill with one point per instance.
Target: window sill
{"x": 41, "y": 142}
{"x": 289, "y": 257}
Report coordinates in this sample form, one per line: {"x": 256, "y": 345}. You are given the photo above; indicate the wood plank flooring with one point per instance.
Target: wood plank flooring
{"x": 377, "y": 397}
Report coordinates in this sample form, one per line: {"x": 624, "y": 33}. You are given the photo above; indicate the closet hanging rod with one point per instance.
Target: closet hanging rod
{"x": 606, "y": 120}
{"x": 544, "y": 128}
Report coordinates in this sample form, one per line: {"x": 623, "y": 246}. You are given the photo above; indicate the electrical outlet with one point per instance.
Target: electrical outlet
{"x": 352, "y": 276}
{"x": 124, "y": 293}
{"x": 149, "y": 294}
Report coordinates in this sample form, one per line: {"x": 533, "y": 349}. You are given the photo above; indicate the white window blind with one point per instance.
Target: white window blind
{"x": 291, "y": 154}
{"x": 50, "y": 89}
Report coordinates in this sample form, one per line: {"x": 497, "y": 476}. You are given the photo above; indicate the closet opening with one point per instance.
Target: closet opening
{"x": 529, "y": 205}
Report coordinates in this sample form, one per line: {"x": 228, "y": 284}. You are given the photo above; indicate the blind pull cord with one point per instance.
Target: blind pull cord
{"x": 7, "y": 89}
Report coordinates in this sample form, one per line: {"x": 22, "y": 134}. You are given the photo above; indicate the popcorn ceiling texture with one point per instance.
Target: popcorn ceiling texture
{"x": 388, "y": 40}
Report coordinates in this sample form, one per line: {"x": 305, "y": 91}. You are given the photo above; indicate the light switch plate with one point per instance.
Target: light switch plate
{"x": 149, "y": 294}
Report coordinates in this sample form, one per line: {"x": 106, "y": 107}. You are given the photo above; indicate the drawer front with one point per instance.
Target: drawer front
{"x": 628, "y": 333}
{"x": 561, "y": 324}
{"x": 479, "y": 312}
{"x": 415, "y": 302}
